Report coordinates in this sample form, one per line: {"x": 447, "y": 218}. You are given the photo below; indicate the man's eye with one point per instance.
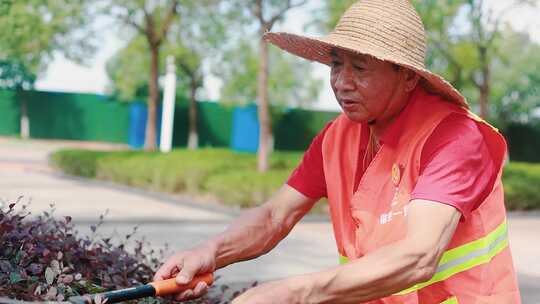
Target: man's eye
{"x": 359, "y": 68}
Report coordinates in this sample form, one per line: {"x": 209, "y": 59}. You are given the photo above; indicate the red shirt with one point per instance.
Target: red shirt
{"x": 456, "y": 167}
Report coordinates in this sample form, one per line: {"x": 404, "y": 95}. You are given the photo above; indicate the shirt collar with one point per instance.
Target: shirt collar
{"x": 392, "y": 134}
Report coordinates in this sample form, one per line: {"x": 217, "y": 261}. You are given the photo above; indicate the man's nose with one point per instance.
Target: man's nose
{"x": 344, "y": 81}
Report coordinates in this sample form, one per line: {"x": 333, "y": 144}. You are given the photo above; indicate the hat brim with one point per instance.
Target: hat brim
{"x": 319, "y": 49}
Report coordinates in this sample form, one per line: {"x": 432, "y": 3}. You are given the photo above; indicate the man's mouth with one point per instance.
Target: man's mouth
{"x": 348, "y": 104}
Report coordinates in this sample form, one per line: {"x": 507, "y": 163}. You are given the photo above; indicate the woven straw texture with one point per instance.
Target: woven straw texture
{"x": 389, "y": 30}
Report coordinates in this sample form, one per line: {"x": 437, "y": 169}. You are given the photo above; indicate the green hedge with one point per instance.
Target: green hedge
{"x": 231, "y": 177}
{"x": 522, "y": 186}
{"x": 178, "y": 171}
{"x": 245, "y": 187}
{"x": 77, "y": 162}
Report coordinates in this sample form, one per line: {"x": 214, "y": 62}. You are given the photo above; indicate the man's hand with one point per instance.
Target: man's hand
{"x": 286, "y": 291}
{"x": 254, "y": 233}
{"x": 184, "y": 265}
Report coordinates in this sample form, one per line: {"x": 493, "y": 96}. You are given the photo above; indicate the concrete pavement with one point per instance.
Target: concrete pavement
{"x": 180, "y": 223}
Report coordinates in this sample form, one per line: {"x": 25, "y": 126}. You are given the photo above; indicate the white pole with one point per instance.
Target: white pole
{"x": 167, "y": 118}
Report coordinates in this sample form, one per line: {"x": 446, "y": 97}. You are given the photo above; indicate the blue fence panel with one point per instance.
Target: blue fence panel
{"x": 245, "y": 129}
{"x": 137, "y": 124}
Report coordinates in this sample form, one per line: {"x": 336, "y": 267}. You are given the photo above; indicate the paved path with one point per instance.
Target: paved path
{"x": 181, "y": 224}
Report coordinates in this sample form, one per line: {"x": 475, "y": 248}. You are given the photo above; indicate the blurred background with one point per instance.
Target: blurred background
{"x": 82, "y": 114}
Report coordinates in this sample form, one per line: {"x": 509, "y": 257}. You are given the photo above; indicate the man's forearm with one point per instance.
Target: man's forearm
{"x": 392, "y": 268}
{"x": 382, "y": 273}
{"x": 249, "y": 236}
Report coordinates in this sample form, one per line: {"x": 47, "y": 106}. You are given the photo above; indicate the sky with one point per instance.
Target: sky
{"x": 67, "y": 76}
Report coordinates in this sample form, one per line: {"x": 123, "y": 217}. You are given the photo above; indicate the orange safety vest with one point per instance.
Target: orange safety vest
{"x": 477, "y": 265}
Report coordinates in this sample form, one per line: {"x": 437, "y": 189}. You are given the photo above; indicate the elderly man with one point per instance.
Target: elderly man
{"x": 413, "y": 181}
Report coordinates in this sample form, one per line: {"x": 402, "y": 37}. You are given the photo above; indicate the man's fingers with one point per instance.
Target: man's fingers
{"x": 186, "y": 274}
{"x": 185, "y": 295}
{"x": 190, "y": 294}
{"x": 200, "y": 289}
{"x": 166, "y": 270}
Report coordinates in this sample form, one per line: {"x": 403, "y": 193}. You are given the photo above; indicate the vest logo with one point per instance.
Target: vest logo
{"x": 388, "y": 216}
{"x": 397, "y": 198}
{"x": 396, "y": 174}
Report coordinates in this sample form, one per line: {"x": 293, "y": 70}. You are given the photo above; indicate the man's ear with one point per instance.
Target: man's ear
{"x": 411, "y": 79}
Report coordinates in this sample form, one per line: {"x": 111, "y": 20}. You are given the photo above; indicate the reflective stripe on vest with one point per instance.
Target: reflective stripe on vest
{"x": 464, "y": 257}
{"x": 452, "y": 300}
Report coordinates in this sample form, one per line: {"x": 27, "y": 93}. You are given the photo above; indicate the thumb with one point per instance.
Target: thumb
{"x": 186, "y": 274}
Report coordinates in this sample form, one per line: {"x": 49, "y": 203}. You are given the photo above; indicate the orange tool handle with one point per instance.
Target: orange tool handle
{"x": 167, "y": 287}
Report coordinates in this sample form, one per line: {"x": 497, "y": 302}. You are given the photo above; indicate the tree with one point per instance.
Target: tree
{"x": 151, "y": 19}
{"x": 287, "y": 81}
{"x": 197, "y": 37}
{"x": 15, "y": 76}
{"x": 31, "y": 32}
{"x": 326, "y": 17}
{"x": 129, "y": 68}
{"x": 463, "y": 39}
{"x": 267, "y": 13}
{"x": 516, "y": 79}
{"x": 470, "y": 49}
{"x": 188, "y": 63}
{"x": 445, "y": 55}
{"x": 193, "y": 36}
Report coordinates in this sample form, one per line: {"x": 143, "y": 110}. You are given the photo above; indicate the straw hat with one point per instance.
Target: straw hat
{"x": 389, "y": 30}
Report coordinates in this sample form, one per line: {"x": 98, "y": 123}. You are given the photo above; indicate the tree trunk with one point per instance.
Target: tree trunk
{"x": 150, "y": 134}
{"x": 485, "y": 84}
{"x": 484, "y": 97}
{"x": 25, "y": 122}
{"x": 262, "y": 97}
{"x": 193, "y": 138}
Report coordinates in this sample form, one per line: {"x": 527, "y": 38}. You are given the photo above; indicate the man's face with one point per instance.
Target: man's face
{"x": 367, "y": 89}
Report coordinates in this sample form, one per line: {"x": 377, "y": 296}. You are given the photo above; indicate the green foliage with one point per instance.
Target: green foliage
{"x": 326, "y": 18}
{"x": 77, "y": 162}
{"x": 516, "y": 90}
{"x": 245, "y": 188}
{"x": 129, "y": 70}
{"x": 191, "y": 37}
{"x": 458, "y": 31}
{"x": 14, "y": 75}
{"x": 31, "y": 30}
{"x": 179, "y": 171}
{"x": 230, "y": 177}
{"x": 289, "y": 81}
{"x": 521, "y": 182}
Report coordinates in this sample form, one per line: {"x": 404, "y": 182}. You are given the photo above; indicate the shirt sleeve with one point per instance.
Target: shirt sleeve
{"x": 456, "y": 166}
{"x": 308, "y": 177}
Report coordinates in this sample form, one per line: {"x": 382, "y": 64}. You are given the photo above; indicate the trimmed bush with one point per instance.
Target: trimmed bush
{"x": 229, "y": 176}
{"x": 77, "y": 162}
{"x": 44, "y": 258}
{"x": 244, "y": 188}
{"x": 522, "y": 186}
{"x": 179, "y": 171}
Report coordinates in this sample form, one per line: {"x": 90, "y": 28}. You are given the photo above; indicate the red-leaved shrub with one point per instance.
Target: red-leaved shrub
{"x": 44, "y": 258}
